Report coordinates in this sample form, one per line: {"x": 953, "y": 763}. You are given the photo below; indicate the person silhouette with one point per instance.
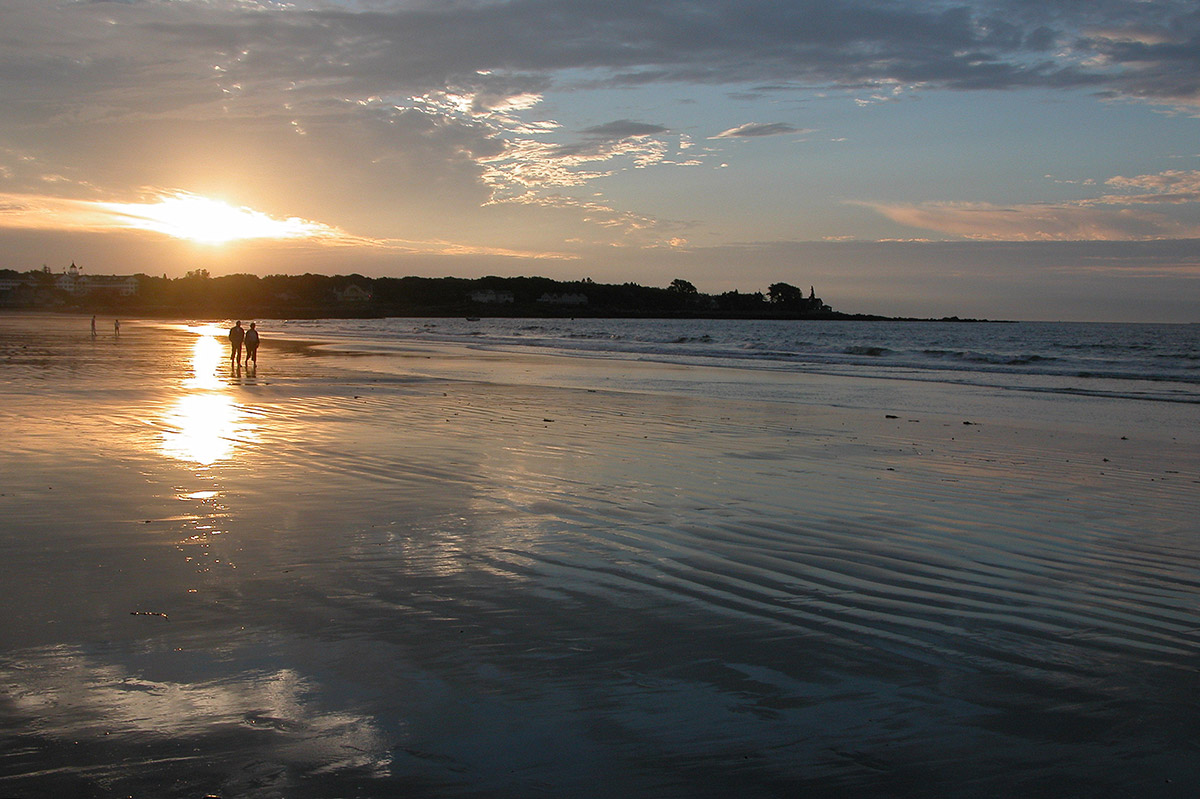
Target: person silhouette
{"x": 236, "y": 336}
{"x": 116, "y": 327}
{"x": 93, "y": 326}
{"x": 252, "y": 345}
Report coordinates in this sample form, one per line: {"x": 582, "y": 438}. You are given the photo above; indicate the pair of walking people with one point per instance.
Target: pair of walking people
{"x": 239, "y": 335}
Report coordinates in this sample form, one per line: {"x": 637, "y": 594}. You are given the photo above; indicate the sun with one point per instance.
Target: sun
{"x": 207, "y": 221}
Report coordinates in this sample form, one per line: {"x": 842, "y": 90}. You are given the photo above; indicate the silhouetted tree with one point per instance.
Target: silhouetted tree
{"x": 785, "y": 294}
{"x": 736, "y": 302}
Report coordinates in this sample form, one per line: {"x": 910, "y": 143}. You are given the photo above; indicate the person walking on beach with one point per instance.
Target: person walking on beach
{"x": 117, "y": 327}
{"x": 252, "y": 345}
{"x": 236, "y": 336}
{"x": 93, "y": 325}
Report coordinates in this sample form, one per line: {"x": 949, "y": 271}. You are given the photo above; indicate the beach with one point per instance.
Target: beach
{"x": 439, "y": 570}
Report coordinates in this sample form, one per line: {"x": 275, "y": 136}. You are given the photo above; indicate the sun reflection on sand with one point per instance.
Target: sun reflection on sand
{"x": 204, "y": 426}
{"x": 204, "y": 429}
{"x": 207, "y": 356}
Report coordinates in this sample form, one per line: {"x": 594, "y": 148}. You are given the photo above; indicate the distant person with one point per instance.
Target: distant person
{"x": 93, "y": 326}
{"x": 236, "y": 336}
{"x": 116, "y": 327}
{"x": 252, "y": 345}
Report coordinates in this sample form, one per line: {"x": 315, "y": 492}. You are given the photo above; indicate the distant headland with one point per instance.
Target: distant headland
{"x": 349, "y": 296}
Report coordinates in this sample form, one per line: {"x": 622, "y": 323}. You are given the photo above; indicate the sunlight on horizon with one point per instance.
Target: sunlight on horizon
{"x": 207, "y": 221}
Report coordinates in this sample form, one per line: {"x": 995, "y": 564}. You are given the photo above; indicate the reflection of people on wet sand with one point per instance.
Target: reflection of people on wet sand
{"x": 252, "y": 345}
{"x": 93, "y": 326}
{"x": 236, "y": 336}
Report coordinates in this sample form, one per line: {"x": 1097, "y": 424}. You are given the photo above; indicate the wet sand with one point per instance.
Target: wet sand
{"x": 372, "y": 576}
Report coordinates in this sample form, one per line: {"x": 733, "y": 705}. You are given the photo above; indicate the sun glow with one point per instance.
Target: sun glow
{"x": 207, "y": 221}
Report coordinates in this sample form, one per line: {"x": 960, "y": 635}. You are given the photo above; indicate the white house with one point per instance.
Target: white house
{"x": 125, "y": 285}
{"x": 352, "y": 293}
{"x": 490, "y": 295}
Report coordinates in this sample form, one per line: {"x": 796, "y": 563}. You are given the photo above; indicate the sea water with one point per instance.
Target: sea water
{"x": 1135, "y": 361}
{"x": 1095, "y": 373}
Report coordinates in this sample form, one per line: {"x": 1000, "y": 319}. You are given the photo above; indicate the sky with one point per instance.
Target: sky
{"x": 1017, "y": 159}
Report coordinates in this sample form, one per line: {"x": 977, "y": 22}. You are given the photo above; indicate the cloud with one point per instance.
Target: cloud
{"x": 181, "y": 215}
{"x": 1171, "y": 187}
{"x": 1090, "y": 219}
{"x": 107, "y": 61}
{"x": 545, "y": 164}
{"x": 757, "y": 129}
{"x": 623, "y": 129}
{"x": 176, "y": 214}
{"x": 1037, "y": 222}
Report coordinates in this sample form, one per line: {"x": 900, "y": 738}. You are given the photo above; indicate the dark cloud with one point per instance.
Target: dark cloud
{"x": 623, "y": 129}
{"x": 245, "y": 57}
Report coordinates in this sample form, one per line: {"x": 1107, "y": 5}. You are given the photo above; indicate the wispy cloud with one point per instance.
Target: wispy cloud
{"x": 1036, "y": 222}
{"x": 181, "y": 215}
{"x": 1174, "y": 187}
{"x": 1109, "y": 217}
{"x": 757, "y": 129}
{"x": 175, "y": 214}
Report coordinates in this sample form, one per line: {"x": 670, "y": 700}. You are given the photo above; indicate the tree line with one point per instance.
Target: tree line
{"x": 279, "y": 296}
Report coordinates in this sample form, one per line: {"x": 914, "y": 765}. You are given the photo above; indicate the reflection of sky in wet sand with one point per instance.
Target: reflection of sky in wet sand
{"x": 66, "y": 694}
{"x": 205, "y": 424}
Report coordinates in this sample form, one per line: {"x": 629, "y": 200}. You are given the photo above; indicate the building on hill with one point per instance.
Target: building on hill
{"x": 74, "y": 282}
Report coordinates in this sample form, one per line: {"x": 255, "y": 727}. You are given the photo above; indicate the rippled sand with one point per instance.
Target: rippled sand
{"x": 346, "y": 577}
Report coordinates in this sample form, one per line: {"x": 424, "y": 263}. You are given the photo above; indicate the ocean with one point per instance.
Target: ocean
{"x": 1008, "y": 369}
{"x": 1131, "y": 361}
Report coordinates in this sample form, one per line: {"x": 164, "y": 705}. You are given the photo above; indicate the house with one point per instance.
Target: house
{"x": 492, "y": 296}
{"x": 124, "y": 285}
{"x": 352, "y": 293}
